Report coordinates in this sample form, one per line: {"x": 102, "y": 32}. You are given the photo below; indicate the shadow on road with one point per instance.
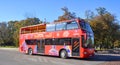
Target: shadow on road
{"x": 101, "y": 58}
{"x": 97, "y": 57}
{"x": 46, "y": 55}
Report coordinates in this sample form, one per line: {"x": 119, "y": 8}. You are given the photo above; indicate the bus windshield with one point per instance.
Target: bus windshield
{"x": 89, "y": 42}
{"x": 85, "y": 26}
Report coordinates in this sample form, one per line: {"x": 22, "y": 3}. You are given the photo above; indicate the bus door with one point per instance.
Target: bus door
{"x": 75, "y": 47}
{"x": 41, "y": 46}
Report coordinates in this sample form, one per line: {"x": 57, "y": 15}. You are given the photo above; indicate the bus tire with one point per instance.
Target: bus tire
{"x": 30, "y": 52}
{"x": 63, "y": 54}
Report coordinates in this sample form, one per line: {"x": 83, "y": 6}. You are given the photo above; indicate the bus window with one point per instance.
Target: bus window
{"x": 64, "y": 41}
{"x": 48, "y": 41}
{"x": 56, "y": 41}
{"x": 50, "y": 27}
{"x": 72, "y": 25}
{"x": 61, "y": 26}
{"x": 61, "y": 42}
{"x": 30, "y": 42}
{"x": 67, "y": 41}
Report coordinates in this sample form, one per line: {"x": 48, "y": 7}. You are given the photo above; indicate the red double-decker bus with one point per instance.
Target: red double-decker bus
{"x": 70, "y": 38}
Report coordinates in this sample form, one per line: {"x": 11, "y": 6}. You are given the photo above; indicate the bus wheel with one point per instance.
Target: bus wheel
{"x": 63, "y": 54}
{"x": 30, "y": 52}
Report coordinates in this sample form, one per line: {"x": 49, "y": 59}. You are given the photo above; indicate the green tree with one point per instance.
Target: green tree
{"x": 89, "y": 15}
{"x": 4, "y": 34}
{"x": 67, "y": 15}
{"x": 30, "y": 21}
{"x": 12, "y": 29}
{"x": 103, "y": 26}
{"x": 101, "y": 11}
{"x": 9, "y": 32}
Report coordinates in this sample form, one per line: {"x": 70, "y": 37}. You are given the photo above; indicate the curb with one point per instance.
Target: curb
{"x": 11, "y": 49}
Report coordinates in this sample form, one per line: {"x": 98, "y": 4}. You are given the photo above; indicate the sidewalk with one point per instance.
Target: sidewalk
{"x": 11, "y": 49}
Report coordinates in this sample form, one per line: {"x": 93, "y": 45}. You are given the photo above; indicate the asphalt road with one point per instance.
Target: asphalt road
{"x": 13, "y": 57}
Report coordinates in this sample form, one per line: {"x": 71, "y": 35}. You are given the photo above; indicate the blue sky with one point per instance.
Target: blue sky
{"x": 51, "y": 9}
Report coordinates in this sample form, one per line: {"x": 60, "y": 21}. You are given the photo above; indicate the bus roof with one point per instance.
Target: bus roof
{"x": 65, "y": 20}
{"x": 50, "y": 23}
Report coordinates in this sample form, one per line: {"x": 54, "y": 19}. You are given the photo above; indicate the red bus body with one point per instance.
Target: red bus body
{"x": 52, "y": 42}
